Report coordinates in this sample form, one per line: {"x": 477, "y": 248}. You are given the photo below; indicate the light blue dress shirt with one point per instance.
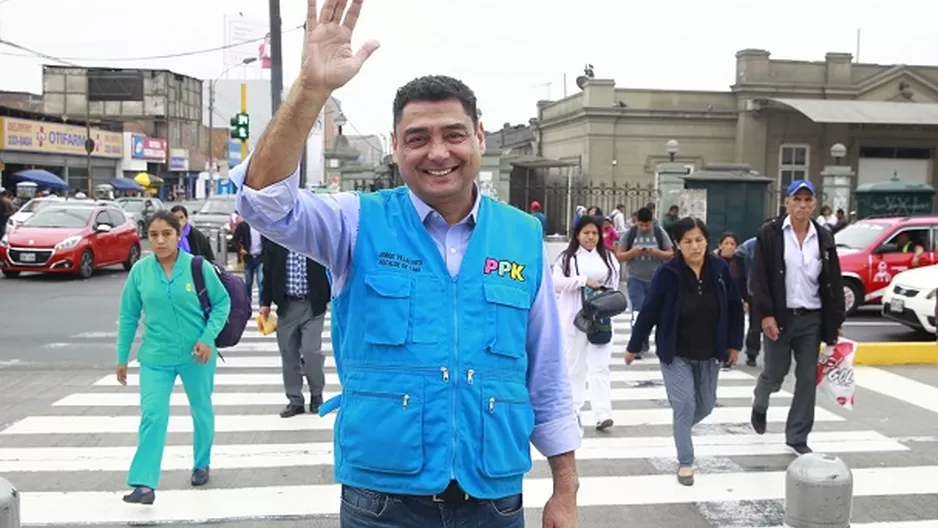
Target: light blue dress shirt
{"x": 324, "y": 227}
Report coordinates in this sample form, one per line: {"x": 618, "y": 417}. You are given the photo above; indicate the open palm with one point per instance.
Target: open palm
{"x": 328, "y": 58}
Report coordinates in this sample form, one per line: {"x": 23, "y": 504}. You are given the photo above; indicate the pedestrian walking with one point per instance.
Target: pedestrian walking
{"x": 697, "y": 311}
{"x": 643, "y": 249}
{"x": 250, "y": 246}
{"x": 754, "y": 332}
{"x": 444, "y": 316}
{"x": 584, "y": 268}
{"x": 728, "y": 250}
{"x": 797, "y": 290}
{"x": 192, "y": 240}
{"x": 177, "y": 341}
{"x": 300, "y": 289}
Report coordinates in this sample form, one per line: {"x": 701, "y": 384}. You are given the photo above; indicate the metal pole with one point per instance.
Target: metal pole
{"x": 9, "y": 505}
{"x": 88, "y": 151}
{"x": 276, "y": 58}
{"x": 244, "y": 110}
{"x": 211, "y": 123}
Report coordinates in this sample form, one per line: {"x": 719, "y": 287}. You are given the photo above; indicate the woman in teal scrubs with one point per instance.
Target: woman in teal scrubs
{"x": 177, "y": 341}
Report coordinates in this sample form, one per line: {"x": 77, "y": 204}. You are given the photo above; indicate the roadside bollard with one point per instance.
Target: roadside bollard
{"x": 818, "y": 492}
{"x": 9, "y": 505}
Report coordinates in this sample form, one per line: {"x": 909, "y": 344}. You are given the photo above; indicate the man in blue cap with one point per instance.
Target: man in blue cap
{"x": 797, "y": 291}
{"x": 444, "y": 320}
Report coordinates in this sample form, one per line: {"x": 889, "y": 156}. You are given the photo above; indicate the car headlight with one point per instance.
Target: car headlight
{"x": 68, "y": 243}
{"x": 931, "y": 295}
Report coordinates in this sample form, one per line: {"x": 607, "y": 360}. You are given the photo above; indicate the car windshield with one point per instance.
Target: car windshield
{"x": 859, "y": 235}
{"x": 61, "y": 217}
{"x": 132, "y": 206}
{"x": 37, "y": 205}
{"x": 218, "y": 207}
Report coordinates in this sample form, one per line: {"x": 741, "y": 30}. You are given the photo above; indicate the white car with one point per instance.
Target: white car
{"x": 910, "y": 298}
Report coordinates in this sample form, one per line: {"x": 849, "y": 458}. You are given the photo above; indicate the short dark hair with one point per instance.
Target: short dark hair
{"x": 645, "y": 215}
{"x": 435, "y": 88}
{"x": 729, "y": 234}
{"x": 180, "y": 209}
{"x": 688, "y": 223}
{"x": 169, "y": 218}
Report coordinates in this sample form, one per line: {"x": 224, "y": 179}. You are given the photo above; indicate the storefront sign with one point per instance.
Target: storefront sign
{"x": 147, "y": 148}
{"x": 54, "y": 138}
{"x": 179, "y": 160}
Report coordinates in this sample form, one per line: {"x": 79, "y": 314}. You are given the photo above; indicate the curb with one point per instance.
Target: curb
{"x": 886, "y": 354}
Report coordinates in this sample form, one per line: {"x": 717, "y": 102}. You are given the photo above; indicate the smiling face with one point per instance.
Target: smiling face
{"x": 438, "y": 150}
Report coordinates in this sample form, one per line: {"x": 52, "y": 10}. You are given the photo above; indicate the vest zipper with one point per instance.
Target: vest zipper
{"x": 453, "y": 391}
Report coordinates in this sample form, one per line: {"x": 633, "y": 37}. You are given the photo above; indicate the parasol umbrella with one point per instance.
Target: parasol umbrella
{"x": 148, "y": 180}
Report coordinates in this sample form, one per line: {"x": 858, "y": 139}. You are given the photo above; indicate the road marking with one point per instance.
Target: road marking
{"x": 253, "y": 456}
{"x": 899, "y": 387}
{"x": 208, "y": 505}
{"x": 230, "y": 423}
{"x": 643, "y": 375}
{"x": 244, "y": 399}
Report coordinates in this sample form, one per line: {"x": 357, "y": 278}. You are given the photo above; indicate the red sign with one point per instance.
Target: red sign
{"x": 154, "y": 149}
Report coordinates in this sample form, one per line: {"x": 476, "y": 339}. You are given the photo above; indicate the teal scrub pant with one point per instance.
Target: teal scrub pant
{"x": 156, "y": 386}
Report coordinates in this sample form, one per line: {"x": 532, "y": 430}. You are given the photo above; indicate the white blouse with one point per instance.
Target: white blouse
{"x": 584, "y": 265}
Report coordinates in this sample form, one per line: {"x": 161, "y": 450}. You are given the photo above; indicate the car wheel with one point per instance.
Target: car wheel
{"x": 853, "y": 296}
{"x": 133, "y": 257}
{"x": 86, "y": 264}
{"x": 11, "y": 274}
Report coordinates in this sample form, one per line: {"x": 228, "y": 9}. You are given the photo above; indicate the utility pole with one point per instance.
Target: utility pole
{"x": 244, "y": 110}
{"x": 211, "y": 123}
{"x": 89, "y": 143}
{"x": 276, "y": 57}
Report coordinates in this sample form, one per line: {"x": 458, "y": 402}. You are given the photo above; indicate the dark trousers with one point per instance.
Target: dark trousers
{"x": 801, "y": 339}
{"x": 362, "y": 508}
{"x": 753, "y": 335}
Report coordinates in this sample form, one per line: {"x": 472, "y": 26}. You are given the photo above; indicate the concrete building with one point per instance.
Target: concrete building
{"x": 780, "y": 117}
{"x": 370, "y": 147}
{"x": 161, "y": 104}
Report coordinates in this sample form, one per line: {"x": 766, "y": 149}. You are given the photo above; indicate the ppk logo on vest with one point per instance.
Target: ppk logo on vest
{"x": 514, "y": 270}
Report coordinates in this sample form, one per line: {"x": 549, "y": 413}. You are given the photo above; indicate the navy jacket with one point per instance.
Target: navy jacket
{"x": 662, "y": 309}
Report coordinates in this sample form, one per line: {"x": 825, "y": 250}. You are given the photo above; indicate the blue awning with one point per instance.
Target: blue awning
{"x": 125, "y": 185}
{"x": 41, "y": 177}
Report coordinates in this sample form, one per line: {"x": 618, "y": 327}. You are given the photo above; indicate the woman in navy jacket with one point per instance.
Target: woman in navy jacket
{"x": 697, "y": 312}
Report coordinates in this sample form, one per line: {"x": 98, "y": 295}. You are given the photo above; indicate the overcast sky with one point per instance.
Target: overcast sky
{"x": 507, "y": 51}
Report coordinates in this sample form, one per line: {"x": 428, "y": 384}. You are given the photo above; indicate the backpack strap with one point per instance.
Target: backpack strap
{"x": 630, "y": 237}
{"x": 198, "y": 277}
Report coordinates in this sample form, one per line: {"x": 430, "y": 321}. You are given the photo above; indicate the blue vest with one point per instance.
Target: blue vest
{"x": 434, "y": 368}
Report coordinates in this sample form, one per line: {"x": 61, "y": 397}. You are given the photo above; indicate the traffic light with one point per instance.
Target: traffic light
{"x": 241, "y": 126}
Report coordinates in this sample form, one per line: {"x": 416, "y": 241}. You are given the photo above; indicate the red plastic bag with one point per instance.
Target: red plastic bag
{"x": 835, "y": 372}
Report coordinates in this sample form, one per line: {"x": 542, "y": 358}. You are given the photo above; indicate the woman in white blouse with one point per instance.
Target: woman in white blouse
{"x": 582, "y": 269}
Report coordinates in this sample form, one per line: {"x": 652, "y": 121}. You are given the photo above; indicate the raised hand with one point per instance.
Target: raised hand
{"x": 329, "y": 62}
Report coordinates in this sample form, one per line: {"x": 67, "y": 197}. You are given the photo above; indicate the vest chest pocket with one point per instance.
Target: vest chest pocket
{"x": 508, "y": 308}
{"x": 507, "y": 424}
{"x": 387, "y": 315}
{"x": 380, "y": 427}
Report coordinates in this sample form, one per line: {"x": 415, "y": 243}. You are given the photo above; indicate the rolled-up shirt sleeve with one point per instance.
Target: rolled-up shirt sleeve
{"x": 321, "y": 226}
{"x": 556, "y": 427}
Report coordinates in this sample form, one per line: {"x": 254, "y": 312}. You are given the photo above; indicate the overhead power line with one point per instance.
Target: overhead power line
{"x": 65, "y": 60}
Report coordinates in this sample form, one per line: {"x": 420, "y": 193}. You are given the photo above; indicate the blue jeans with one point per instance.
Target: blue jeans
{"x": 253, "y": 267}
{"x": 638, "y": 290}
{"x": 368, "y": 509}
{"x": 692, "y": 392}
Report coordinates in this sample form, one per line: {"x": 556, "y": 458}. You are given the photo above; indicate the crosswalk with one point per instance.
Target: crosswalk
{"x": 70, "y": 462}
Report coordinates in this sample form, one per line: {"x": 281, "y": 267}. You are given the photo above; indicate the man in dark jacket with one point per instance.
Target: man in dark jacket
{"x": 301, "y": 291}
{"x": 797, "y": 291}
{"x": 192, "y": 241}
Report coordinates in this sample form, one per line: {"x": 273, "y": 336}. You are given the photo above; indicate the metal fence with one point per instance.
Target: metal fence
{"x": 559, "y": 203}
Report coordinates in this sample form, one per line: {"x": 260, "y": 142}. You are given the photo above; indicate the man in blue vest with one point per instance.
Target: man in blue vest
{"x": 444, "y": 320}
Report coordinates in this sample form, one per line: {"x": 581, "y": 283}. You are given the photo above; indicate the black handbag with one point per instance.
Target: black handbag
{"x": 599, "y": 307}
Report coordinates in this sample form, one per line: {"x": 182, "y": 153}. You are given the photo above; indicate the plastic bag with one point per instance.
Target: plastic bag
{"x": 835, "y": 372}
{"x": 268, "y": 325}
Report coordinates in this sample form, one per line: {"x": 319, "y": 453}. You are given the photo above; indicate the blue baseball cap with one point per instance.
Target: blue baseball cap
{"x": 797, "y": 185}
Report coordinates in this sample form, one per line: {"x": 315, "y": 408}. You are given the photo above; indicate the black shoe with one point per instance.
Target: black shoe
{"x": 800, "y": 449}
{"x": 292, "y": 410}
{"x": 315, "y": 402}
{"x": 200, "y": 477}
{"x": 758, "y": 420}
{"x": 605, "y": 424}
{"x": 751, "y": 362}
{"x": 140, "y": 495}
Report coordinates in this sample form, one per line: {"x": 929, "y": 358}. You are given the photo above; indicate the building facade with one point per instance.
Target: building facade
{"x": 780, "y": 117}
{"x": 158, "y": 104}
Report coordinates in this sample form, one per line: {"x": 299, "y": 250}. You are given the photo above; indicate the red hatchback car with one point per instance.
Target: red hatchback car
{"x": 74, "y": 237}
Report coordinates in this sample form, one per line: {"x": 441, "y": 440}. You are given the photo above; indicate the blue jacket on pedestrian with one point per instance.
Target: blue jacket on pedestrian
{"x": 748, "y": 249}
{"x": 662, "y": 309}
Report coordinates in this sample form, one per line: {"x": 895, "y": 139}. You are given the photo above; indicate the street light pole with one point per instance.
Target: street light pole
{"x": 89, "y": 143}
